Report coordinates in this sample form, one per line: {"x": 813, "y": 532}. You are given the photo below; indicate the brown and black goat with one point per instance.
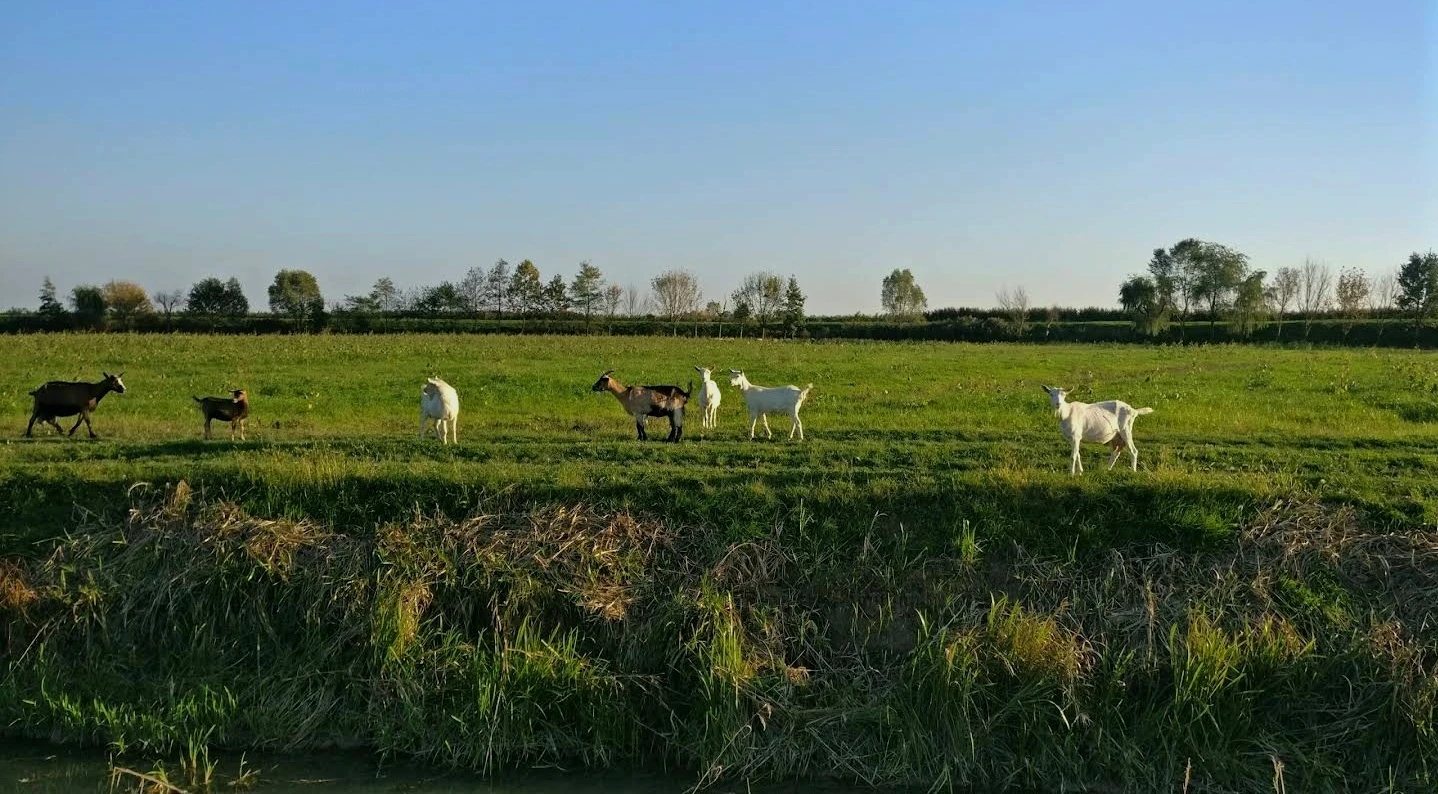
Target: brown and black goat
{"x": 233, "y": 409}
{"x": 642, "y": 402}
{"x": 68, "y": 398}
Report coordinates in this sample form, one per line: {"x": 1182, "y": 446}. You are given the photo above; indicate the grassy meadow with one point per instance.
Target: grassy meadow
{"x": 904, "y": 430}
{"x": 918, "y": 592}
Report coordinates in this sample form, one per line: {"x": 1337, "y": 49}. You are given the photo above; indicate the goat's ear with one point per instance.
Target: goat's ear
{"x": 120, "y": 375}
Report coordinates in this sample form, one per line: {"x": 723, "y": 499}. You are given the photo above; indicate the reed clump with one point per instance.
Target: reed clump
{"x": 1304, "y": 650}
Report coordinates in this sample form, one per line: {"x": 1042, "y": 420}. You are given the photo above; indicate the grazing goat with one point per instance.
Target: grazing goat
{"x": 1109, "y": 422}
{"x": 66, "y": 398}
{"x": 642, "y": 402}
{"x": 439, "y": 403}
{"x": 234, "y": 409}
{"x": 709, "y": 399}
{"x": 764, "y": 400}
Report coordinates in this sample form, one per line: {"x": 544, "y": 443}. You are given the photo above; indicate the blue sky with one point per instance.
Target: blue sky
{"x": 983, "y": 145}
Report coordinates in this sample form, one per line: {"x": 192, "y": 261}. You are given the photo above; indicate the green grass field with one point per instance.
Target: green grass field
{"x": 918, "y": 592}
{"x": 924, "y": 434}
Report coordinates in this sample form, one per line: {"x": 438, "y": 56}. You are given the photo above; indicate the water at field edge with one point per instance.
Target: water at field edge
{"x": 36, "y": 768}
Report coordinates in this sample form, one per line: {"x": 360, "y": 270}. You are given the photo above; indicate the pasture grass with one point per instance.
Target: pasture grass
{"x": 921, "y": 434}
{"x": 917, "y": 593}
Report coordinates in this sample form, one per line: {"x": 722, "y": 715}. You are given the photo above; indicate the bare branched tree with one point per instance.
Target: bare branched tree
{"x": 1014, "y": 303}
{"x": 169, "y": 301}
{"x": 1315, "y": 285}
{"x": 1282, "y": 293}
{"x": 635, "y": 303}
{"x": 676, "y": 294}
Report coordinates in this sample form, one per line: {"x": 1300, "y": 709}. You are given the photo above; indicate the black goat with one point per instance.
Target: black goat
{"x": 66, "y": 398}
{"x": 233, "y": 409}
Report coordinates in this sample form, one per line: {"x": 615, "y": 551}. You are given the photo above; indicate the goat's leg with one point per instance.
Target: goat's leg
{"x": 59, "y": 431}
{"x": 1076, "y": 459}
{"x": 767, "y": 431}
{"x": 207, "y": 428}
{"x": 454, "y": 429}
{"x": 31, "y": 426}
{"x": 753, "y": 422}
{"x": 78, "y": 420}
{"x": 639, "y": 427}
{"x": 1132, "y": 451}
{"x": 89, "y": 428}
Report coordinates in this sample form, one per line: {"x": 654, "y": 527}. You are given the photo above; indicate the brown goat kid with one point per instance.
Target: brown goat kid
{"x": 234, "y": 409}
{"x": 642, "y": 402}
{"x": 68, "y": 398}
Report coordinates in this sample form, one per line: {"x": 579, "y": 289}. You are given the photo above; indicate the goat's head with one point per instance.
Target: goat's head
{"x": 736, "y": 377}
{"x": 1056, "y": 395}
{"x": 113, "y": 381}
{"x": 603, "y": 383}
{"x": 705, "y": 373}
{"x": 239, "y": 395}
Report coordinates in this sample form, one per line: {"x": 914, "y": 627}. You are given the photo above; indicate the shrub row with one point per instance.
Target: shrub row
{"x": 966, "y": 328}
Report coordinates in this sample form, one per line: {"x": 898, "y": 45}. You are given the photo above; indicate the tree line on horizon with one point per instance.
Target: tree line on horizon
{"x": 1190, "y": 279}
{"x": 763, "y": 300}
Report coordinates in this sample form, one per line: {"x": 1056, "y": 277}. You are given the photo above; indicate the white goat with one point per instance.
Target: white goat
{"x": 439, "y": 403}
{"x": 762, "y": 400}
{"x": 1109, "y": 422}
{"x": 709, "y": 399}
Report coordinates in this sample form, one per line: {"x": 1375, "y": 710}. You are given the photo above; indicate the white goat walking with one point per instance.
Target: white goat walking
{"x": 764, "y": 400}
{"x": 709, "y": 399}
{"x": 1109, "y": 422}
{"x": 439, "y": 403}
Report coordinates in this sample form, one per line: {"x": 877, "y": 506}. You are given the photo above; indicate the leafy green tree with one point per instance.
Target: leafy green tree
{"x": 1250, "y": 303}
{"x": 1165, "y": 278}
{"x": 588, "y": 289}
{"x": 1145, "y": 303}
{"x": 296, "y": 293}
{"x": 1351, "y": 295}
{"x": 218, "y": 298}
{"x": 445, "y": 298}
{"x": 1418, "y": 286}
{"x": 901, "y": 296}
{"x": 742, "y": 314}
{"x": 50, "y": 305}
{"x": 127, "y": 299}
{"x": 496, "y": 287}
{"x": 88, "y": 303}
{"x": 1217, "y": 271}
{"x": 1184, "y": 256}
{"x": 526, "y": 291}
{"x": 556, "y": 296}
{"x": 793, "y": 314}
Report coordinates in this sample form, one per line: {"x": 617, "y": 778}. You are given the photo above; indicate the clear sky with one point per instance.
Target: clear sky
{"x": 985, "y": 144}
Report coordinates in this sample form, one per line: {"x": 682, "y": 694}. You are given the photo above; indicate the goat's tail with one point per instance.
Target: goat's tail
{"x": 1142, "y": 411}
